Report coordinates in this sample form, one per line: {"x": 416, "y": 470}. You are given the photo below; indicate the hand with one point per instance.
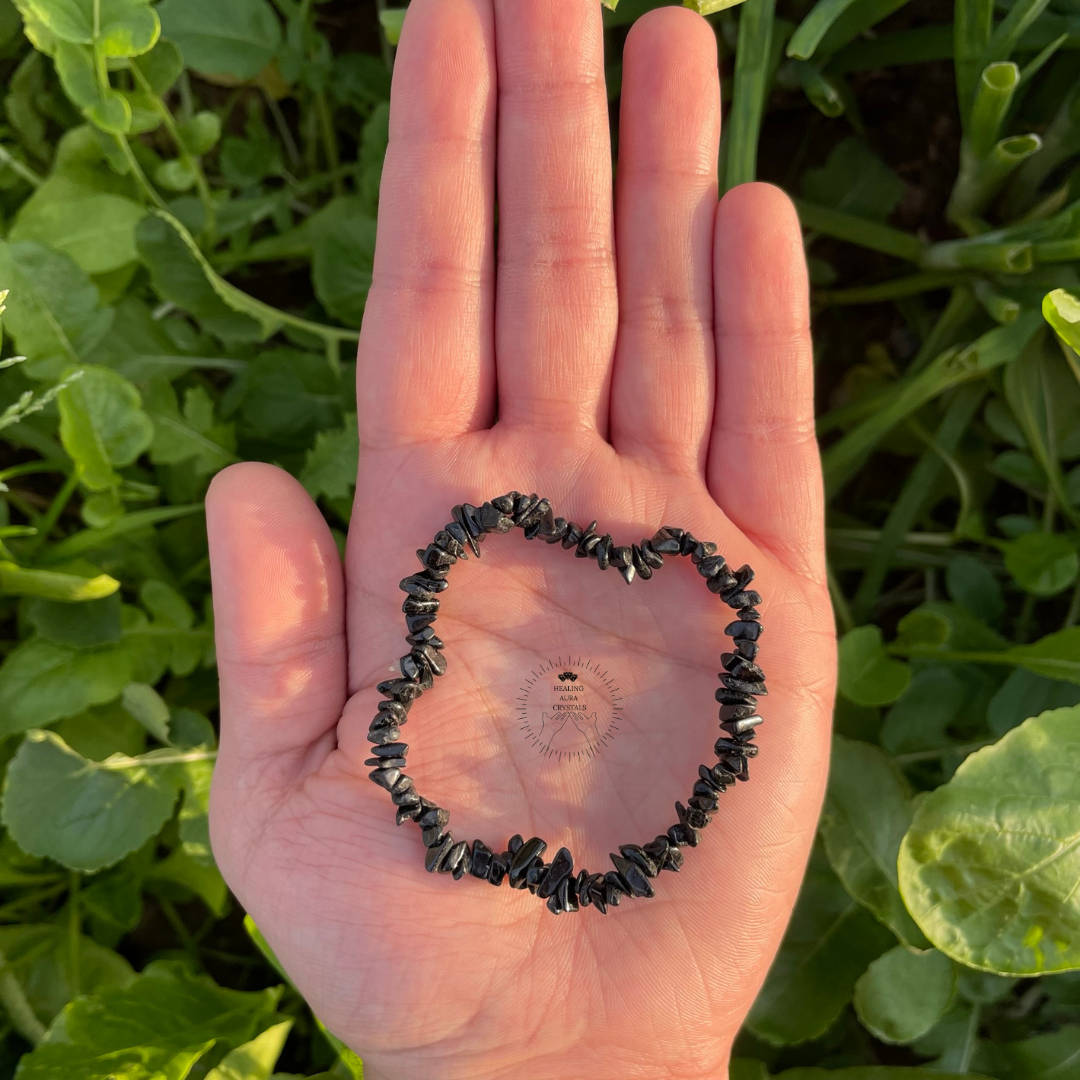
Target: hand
{"x": 644, "y": 364}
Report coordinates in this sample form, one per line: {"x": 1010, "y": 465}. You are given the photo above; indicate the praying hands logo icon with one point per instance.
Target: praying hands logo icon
{"x": 569, "y": 712}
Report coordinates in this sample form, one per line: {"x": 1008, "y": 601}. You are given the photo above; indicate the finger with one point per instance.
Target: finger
{"x": 425, "y": 365}
{"x": 556, "y": 307}
{"x": 669, "y": 132}
{"x": 764, "y": 468}
{"x": 279, "y": 620}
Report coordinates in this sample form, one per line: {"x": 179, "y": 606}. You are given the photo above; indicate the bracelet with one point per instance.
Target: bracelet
{"x": 522, "y": 862}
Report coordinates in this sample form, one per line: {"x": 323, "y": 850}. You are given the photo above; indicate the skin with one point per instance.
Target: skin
{"x": 637, "y": 353}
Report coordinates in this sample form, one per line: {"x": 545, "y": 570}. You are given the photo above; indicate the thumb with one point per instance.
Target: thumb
{"x": 279, "y": 613}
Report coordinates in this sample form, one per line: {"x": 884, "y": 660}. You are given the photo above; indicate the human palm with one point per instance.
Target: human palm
{"x": 672, "y": 386}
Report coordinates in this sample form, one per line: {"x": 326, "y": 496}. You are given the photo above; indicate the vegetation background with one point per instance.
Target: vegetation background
{"x": 187, "y": 203}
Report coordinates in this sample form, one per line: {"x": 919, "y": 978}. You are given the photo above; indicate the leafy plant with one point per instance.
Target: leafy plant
{"x": 187, "y": 204}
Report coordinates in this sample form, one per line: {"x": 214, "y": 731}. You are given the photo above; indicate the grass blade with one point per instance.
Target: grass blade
{"x": 752, "y": 78}
{"x": 815, "y": 26}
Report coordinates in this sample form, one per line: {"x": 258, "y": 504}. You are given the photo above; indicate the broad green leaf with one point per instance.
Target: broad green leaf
{"x": 828, "y": 945}
{"x": 392, "y": 20}
{"x": 341, "y": 268}
{"x": 867, "y": 811}
{"x": 96, "y": 229}
{"x": 92, "y": 622}
{"x": 104, "y": 107}
{"x": 192, "y": 436}
{"x": 974, "y": 587}
{"x": 868, "y": 675}
{"x": 149, "y": 708}
{"x": 989, "y": 866}
{"x": 154, "y": 1029}
{"x": 288, "y": 396}
{"x": 1056, "y": 656}
{"x": 1061, "y": 309}
{"x": 84, "y": 814}
{"x": 52, "y": 585}
{"x": 1042, "y": 563}
{"x": 238, "y": 38}
{"x": 254, "y": 1060}
{"x": 201, "y": 133}
{"x": 39, "y": 957}
{"x": 855, "y": 180}
{"x": 53, "y": 309}
{"x": 102, "y": 425}
{"x": 330, "y": 465}
{"x": 102, "y": 731}
{"x": 42, "y": 681}
{"x": 1025, "y": 694}
{"x": 1054, "y": 1055}
{"x": 161, "y": 66}
{"x": 924, "y": 711}
{"x": 180, "y": 875}
{"x": 118, "y": 27}
{"x": 903, "y": 994}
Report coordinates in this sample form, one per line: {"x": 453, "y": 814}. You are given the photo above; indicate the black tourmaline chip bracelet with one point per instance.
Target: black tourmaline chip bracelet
{"x": 522, "y": 863}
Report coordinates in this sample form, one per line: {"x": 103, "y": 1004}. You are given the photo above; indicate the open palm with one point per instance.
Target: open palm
{"x": 670, "y": 385}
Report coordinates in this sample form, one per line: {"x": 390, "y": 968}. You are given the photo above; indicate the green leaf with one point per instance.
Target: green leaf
{"x": 331, "y": 464}
{"x": 149, "y": 708}
{"x": 1056, "y": 656}
{"x": 1044, "y": 564}
{"x": 123, "y": 27}
{"x": 103, "y": 731}
{"x": 238, "y": 39}
{"x": 193, "y": 436}
{"x": 154, "y": 1029}
{"x": 868, "y": 675}
{"x": 254, "y": 1060}
{"x": 974, "y": 587}
{"x": 161, "y": 66}
{"x": 84, "y": 814}
{"x": 924, "y": 711}
{"x": 289, "y": 395}
{"x": 102, "y": 426}
{"x": 342, "y": 266}
{"x": 867, "y": 812}
{"x": 828, "y": 945}
{"x": 813, "y": 28}
{"x": 1024, "y": 694}
{"x": 1051, "y": 1056}
{"x": 181, "y": 875}
{"x": 95, "y": 228}
{"x": 201, "y": 133}
{"x": 989, "y": 866}
{"x": 53, "y": 309}
{"x": 875, "y": 1072}
{"x": 393, "y": 19}
{"x": 51, "y": 585}
{"x": 42, "y": 681}
{"x": 39, "y": 956}
{"x": 104, "y": 107}
{"x": 903, "y": 994}
{"x": 1061, "y": 309}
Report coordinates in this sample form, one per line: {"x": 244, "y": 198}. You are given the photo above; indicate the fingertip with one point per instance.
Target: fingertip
{"x": 760, "y": 263}
{"x": 672, "y": 29}
{"x": 279, "y": 610}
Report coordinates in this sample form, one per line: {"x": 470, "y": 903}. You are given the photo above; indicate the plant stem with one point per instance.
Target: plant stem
{"x": 910, "y": 285}
{"x": 844, "y": 619}
{"x": 857, "y": 230}
{"x": 18, "y": 1009}
{"x": 136, "y": 171}
{"x": 74, "y": 934}
{"x": 20, "y": 169}
{"x": 52, "y": 515}
{"x": 971, "y": 1038}
{"x": 931, "y": 755}
{"x": 326, "y": 126}
{"x": 192, "y": 162}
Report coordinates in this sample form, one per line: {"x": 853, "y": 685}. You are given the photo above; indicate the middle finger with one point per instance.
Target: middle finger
{"x": 556, "y": 311}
